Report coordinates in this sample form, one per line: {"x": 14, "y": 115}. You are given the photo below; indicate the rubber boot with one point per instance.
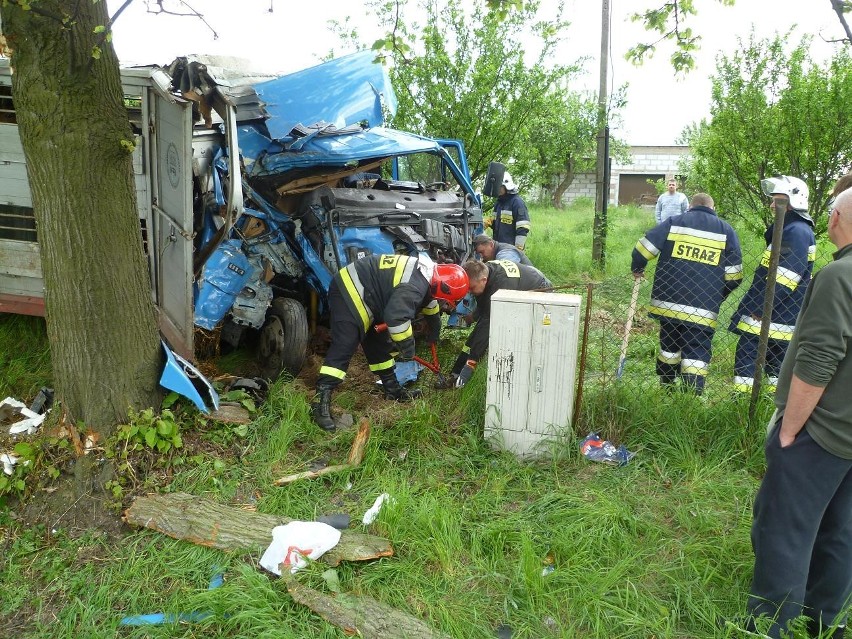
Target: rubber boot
{"x": 321, "y": 409}
{"x": 392, "y": 389}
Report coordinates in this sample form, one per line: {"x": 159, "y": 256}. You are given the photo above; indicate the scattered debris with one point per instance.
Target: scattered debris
{"x": 209, "y": 523}
{"x": 8, "y": 462}
{"x": 340, "y": 521}
{"x": 362, "y": 616}
{"x": 182, "y": 617}
{"x": 601, "y": 450}
{"x": 356, "y": 456}
{"x": 184, "y": 379}
{"x": 255, "y": 387}
{"x": 43, "y": 401}
{"x": 230, "y": 413}
{"x": 373, "y": 511}
{"x": 11, "y": 409}
{"x": 294, "y": 543}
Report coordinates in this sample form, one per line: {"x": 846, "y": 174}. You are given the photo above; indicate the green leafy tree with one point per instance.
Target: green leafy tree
{"x": 669, "y": 22}
{"x": 773, "y": 111}
{"x": 465, "y": 74}
{"x": 77, "y": 141}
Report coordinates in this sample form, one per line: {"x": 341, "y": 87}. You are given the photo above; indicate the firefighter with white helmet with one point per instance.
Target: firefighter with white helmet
{"x": 382, "y": 289}
{"x": 795, "y": 265}
{"x": 511, "y": 223}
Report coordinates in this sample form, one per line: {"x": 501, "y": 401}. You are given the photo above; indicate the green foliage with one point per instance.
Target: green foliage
{"x": 773, "y": 111}
{"x": 668, "y": 22}
{"x": 160, "y": 433}
{"x": 464, "y": 73}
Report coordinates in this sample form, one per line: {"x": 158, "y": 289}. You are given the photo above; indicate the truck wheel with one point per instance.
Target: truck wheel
{"x": 283, "y": 338}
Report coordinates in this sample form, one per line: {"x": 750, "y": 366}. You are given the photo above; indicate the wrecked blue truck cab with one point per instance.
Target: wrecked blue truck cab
{"x": 252, "y": 191}
{"x": 323, "y": 184}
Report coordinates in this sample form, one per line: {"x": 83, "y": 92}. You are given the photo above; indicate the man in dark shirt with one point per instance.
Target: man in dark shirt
{"x": 802, "y": 530}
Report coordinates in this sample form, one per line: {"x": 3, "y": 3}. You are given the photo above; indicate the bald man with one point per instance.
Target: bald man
{"x": 802, "y": 529}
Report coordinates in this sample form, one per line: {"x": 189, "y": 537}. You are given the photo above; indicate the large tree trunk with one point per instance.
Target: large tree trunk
{"x": 75, "y": 132}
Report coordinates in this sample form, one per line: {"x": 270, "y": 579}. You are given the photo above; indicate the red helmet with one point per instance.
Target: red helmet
{"x": 449, "y": 282}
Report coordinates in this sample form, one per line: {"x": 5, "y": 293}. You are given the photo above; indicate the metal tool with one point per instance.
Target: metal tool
{"x": 434, "y": 365}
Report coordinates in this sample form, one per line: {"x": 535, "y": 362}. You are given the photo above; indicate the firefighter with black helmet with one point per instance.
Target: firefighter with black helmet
{"x": 382, "y": 289}
{"x": 795, "y": 265}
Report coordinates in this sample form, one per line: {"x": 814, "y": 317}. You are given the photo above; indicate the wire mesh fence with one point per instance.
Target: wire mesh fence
{"x": 697, "y": 324}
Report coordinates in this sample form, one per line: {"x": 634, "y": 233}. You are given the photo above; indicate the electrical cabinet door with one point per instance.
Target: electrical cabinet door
{"x": 531, "y": 369}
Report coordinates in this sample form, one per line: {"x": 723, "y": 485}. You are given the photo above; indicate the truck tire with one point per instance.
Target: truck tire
{"x": 283, "y": 344}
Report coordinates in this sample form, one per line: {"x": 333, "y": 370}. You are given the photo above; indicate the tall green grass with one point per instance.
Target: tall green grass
{"x": 657, "y": 548}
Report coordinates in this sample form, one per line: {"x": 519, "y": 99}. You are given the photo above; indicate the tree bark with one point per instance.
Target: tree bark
{"x": 209, "y": 523}
{"x": 76, "y": 136}
{"x": 362, "y": 616}
{"x": 564, "y": 184}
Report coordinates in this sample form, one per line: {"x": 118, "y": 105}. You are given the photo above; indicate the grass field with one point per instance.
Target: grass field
{"x": 556, "y": 548}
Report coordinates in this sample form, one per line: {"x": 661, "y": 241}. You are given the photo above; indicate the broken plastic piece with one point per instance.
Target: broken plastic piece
{"x": 294, "y": 543}
{"x": 373, "y": 512}
{"x": 601, "y": 450}
{"x": 182, "y": 617}
{"x": 11, "y": 408}
{"x": 183, "y": 378}
{"x": 8, "y": 462}
{"x": 340, "y": 521}
{"x": 43, "y": 401}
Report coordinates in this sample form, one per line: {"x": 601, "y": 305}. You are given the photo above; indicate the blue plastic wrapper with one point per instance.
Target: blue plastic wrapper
{"x": 601, "y": 450}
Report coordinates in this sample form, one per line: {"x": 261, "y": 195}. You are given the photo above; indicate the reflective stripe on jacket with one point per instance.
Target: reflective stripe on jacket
{"x": 795, "y": 266}
{"x": 700, "y": 263}
{"x": 387, "y": 289}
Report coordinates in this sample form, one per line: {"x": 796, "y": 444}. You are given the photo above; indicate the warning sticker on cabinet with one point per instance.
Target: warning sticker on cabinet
{"x": 546, "y": 319}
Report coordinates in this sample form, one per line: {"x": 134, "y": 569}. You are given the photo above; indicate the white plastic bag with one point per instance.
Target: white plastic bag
{"x": 295, "y": 541}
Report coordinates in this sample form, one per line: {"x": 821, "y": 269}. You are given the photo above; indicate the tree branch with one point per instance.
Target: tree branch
{"x": 838, "y": 6}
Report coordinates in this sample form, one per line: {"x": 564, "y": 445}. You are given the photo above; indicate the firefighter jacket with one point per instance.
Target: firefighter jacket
{"x": 795, "y": 265}
{"x": 511, "y": 220}
{"x": 700, "y": 264}
{"x": 502, "y": 274}
{"x": 389, "y": 289}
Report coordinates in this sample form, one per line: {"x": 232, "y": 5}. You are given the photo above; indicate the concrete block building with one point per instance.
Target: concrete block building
{"x": 629, "y": 180}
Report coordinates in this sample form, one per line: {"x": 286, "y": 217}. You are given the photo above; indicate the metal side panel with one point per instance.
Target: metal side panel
{"x": 21, "y": 284}
{"x": 171, "y": 197}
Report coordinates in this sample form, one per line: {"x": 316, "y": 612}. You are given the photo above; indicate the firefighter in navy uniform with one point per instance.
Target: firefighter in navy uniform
{"x": 389, "y": 289}
{"x": 700, "y": 264}
{"x": 795, "y": 264}
{"x": 486, "y": 278}
{"x": 511, "y": 223}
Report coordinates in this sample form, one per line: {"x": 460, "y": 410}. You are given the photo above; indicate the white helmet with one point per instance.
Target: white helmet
{"x": 509, "y": 183}
{"x": 794, "y": 188}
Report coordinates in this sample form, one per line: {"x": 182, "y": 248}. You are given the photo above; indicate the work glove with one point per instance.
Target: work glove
{"x": 406, "y": 350}
{"x": 488, "y": 222}
{"x": 466, "y": 373}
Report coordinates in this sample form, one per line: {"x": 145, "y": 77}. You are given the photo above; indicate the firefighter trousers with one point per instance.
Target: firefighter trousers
{"x": 347, "y": 332}
{"x": 685, "y": 351}
{"x": 746, "y": 358}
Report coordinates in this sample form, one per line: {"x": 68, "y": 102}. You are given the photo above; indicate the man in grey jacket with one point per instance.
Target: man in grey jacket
{"x": 670, "y": 203}
{"x": 802, "y": 529}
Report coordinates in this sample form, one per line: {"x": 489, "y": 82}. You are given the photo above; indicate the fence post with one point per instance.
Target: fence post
{"x": 581, "y": 377}
{"x": 768, "y": 302}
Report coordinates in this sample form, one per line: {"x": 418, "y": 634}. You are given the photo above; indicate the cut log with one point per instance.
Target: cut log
{"x": 208, "y": 523}
{"x": 356, "y": 456}
{"x": 361, "y": 615}
{"x": 230, "y": 413}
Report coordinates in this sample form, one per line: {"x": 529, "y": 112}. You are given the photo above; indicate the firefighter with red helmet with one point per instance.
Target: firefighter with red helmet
{"x": 382, "y": 289}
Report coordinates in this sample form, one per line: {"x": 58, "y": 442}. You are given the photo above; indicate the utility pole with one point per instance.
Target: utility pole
{"x": 602, "y": 181}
